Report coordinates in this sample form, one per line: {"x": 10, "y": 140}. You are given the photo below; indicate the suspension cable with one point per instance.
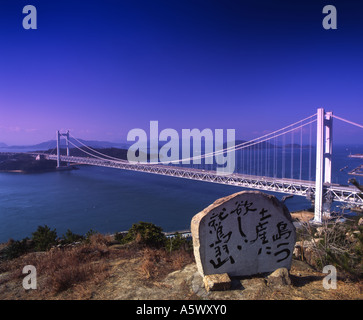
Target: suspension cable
{"x": 240, "y": 146}
{"x": 243, "y": 145}
{"x": 347, "y": 121}
{"x": 92, "y": 155}
{"x": 100, "y": 153}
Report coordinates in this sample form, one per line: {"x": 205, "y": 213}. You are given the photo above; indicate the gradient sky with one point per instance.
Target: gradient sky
{"x": 103, "y": 67}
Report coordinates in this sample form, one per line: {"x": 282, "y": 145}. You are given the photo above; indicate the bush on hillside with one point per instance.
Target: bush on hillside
{"x": 145, "y": 233}
{"x": 15, "y": 249}
{"x": 334, "y": 242}
{"x": 71, "y": 237}
{"x": 44, "y": 238}
{"x": 178, "y": 242}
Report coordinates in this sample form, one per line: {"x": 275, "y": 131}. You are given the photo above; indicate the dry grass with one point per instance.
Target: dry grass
{"x": 101, "y": 270}
{"x": 74, "y": 272}
{"x": 64, "y": 269}
{"x": 60, "y": 269}
{"x": 157, "y": 263}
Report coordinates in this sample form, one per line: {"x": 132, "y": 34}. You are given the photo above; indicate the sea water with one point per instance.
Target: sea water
{"x": 110, "y": 200}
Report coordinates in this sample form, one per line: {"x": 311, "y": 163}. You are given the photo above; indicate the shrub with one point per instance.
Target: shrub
{"x": 89, "y": 234}
{"x": 97, "y": 239}
{"x": 336, "y": 243}
{"x": 145, "y": 233}
{"x": 71, "y": 237}
{"x": 178, "y": 242}
{"x": 157, "y": 263}
{"x": 347, "y": 253}
{"x": 119, "y": 236}
{"x": 152, "y": 263}
{"x": 15, "y": 249}
{"x": 44, "y": 238}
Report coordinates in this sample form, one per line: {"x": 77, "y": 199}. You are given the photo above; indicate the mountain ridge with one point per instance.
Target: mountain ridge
{"x": 53, "y": 144}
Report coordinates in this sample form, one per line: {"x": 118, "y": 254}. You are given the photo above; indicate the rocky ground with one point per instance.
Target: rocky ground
{"x": 125, "y": 282}
{"x": 188, "y": 284}
{"x": 100, "y": 271}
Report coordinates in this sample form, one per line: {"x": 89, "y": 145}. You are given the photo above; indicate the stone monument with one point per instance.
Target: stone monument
{"x": 246, "y": 233}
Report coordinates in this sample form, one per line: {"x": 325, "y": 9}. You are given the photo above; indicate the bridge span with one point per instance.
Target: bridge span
{"x": 333, "y": 192}
{"x": 264, "y": 163}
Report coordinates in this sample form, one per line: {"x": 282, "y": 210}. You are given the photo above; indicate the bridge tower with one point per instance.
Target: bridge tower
{"x": 324, "y": 145}
{"x": 59, "y": 135}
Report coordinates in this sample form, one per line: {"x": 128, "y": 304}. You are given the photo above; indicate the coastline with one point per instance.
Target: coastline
{"x": 70, "y": 167}
{"x": 297, "y": 216}
{"x": 104, "y": 268}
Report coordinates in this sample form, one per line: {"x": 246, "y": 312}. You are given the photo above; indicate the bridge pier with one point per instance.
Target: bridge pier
{"x": 324, "y": 141}
{"x": 59, "y": 135}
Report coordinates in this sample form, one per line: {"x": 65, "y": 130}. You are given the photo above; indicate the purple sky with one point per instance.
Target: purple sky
{"x": 102, "y": 68}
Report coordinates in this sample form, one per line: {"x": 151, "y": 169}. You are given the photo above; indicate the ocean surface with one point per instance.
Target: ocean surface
{"x": 111, "y": 200}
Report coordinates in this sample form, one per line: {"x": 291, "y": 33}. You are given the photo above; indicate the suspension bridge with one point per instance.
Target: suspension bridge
{"x": 282, "y": 161}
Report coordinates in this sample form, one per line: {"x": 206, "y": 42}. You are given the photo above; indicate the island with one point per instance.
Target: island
{"x": 36, "y": 162}
{"x": 25, "y": 163}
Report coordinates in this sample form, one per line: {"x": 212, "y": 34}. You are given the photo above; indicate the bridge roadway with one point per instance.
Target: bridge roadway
{"x": 333, "y": 192}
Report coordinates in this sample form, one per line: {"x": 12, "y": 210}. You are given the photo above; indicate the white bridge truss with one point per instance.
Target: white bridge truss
{"x": 331, "y": 192}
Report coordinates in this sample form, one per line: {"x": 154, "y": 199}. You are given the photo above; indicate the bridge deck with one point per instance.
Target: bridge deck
{"x": 357, "y": 171}
{"x": 334, "y": 192}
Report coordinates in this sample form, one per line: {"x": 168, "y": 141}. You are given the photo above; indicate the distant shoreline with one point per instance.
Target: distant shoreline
{"x": 70, "y": 167}
{"x": 25, "y": 163}
{"x": 12, "y": 171}
{"x": 297, "y": 216}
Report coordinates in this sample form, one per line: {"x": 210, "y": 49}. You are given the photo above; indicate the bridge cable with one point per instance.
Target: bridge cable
{"x": 100, "y": 153}
{"x": 301, "y": 139}
{"x": 310, "y": 151}
{"x": 292, "y": 156}
{"x": 230, "y": 149}
{"x": 283, "y": 156}
{"x": 247, "y": 144}
{"x": 238, "y": 147}
{"x": 92, "y": 155}
{"x": 347, "y": 121}
{"x": 244, "y": 145}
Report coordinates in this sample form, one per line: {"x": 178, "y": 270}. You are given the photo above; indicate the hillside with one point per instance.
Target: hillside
{"x": 106, "y": 268}
{"x": 51, "y": 144}
{"x": 113, "y": 272}
{"x": 26, "y": 163}
{"x": 112, "y": 152}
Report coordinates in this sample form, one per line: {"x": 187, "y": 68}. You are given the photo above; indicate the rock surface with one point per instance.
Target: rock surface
{"x": 246, "y": 233}
{"x": 279, "y": 278}
{"x": 217, "y": 282}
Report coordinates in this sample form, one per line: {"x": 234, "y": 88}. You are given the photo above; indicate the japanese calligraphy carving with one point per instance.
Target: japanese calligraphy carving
{"x": 243, "y": 234}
